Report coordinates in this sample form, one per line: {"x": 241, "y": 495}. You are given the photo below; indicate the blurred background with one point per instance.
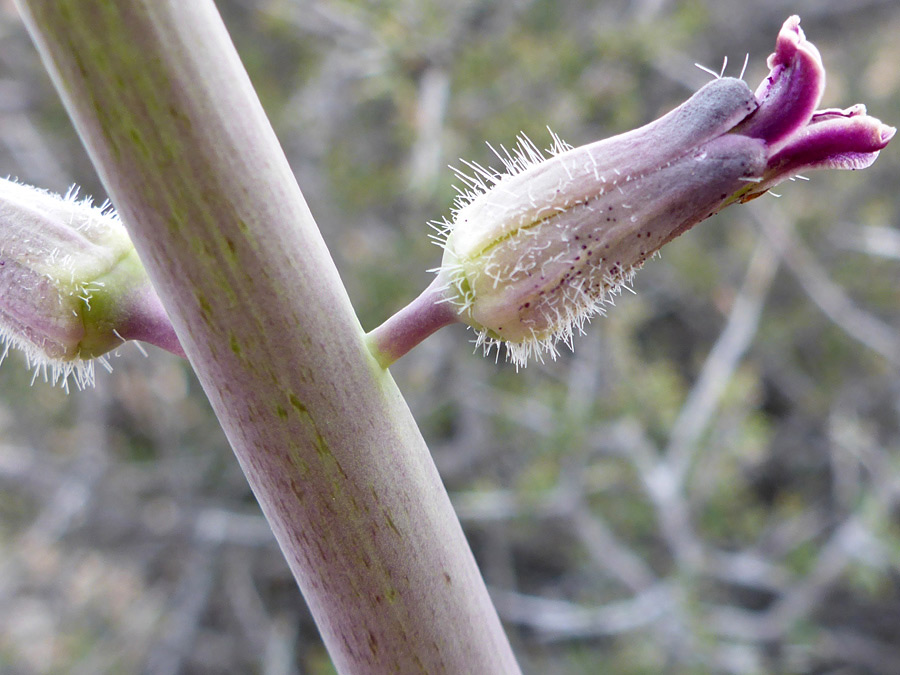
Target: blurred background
{"x": 709, "y": 484}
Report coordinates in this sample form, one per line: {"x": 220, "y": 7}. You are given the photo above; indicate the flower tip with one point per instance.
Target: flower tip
{"x": 882, "y": 133}
{"x": 792, "y": 44}
{"x": 791, "y": 31}
{"x": 791, "y": 40}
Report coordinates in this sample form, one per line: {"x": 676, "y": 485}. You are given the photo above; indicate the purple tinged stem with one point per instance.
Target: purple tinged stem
{"x": 423, "y": 316}
{"x": 325, "y": 439}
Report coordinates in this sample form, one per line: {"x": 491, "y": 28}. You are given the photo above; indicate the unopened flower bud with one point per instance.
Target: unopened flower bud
{"x": 534, "y": 252}
{"x": 71, "y": 285}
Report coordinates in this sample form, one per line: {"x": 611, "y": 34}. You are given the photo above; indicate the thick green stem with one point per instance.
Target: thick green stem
{"x": 169, "y": 117}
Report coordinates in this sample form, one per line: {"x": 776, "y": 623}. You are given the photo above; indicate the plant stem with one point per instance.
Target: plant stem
{"x": 168, "y": 115}
{"x": 411, "y": 325}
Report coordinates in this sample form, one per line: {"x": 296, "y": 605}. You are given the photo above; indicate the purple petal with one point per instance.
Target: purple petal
{"x": 834, "y": 139}
{"x": 789, "y": 95}
{"x": 848, "y": 139}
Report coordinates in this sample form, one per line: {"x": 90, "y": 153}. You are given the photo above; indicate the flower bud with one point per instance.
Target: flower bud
{"x": 71, "y": 285}
{"x": 534, "y": 252}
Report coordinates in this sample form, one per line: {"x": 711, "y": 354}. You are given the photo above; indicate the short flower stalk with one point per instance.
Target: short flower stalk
{"x": 71, "y": 285}
{"x": 533, "y": 252}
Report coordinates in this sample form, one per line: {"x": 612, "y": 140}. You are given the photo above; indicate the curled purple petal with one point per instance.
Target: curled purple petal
{"x": 847, "y": 139}
{"x": 790, "y": 93}
{"x": 835, "y": 139}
